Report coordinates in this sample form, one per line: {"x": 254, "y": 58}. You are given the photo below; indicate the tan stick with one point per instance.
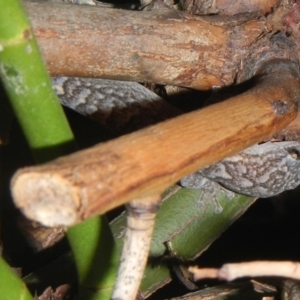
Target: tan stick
{"x": 230, "y": 272}
{"x": 163, "y": 46}
{"x": 90, "y": 182}
{"x": 202, "y": 273}
{"x": 140, "y": 223}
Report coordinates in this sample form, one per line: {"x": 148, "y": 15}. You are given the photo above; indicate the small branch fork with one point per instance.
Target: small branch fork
{"x": 141, "y": 215}
{"x": 234, "y": 271}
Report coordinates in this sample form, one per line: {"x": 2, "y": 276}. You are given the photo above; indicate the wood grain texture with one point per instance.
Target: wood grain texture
{"x": 144, "y": 163}
{"x": 165, "y": 46}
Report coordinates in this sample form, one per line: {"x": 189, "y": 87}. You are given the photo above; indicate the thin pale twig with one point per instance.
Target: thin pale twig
{"x": 230, "y": 272}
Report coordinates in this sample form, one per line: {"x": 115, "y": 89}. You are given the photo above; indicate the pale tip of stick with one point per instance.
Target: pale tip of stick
{"x": 201, "y": 273}
{"x": 46, "y": 198}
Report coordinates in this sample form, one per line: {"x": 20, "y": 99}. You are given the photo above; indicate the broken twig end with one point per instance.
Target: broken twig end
{"x": 45, "y": 198}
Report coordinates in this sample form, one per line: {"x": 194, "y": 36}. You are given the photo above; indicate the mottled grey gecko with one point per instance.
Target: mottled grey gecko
{"x": 260, "y": 171}
{"x": 263, "y": 171}
{"x": 117, "y": 106}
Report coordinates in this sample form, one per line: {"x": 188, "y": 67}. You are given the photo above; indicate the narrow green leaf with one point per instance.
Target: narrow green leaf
{"x": 96, "y": 258}
{"x": 11, "y": 286}
{"x": 29, "y": 88}
{"x": 46, "y": 129}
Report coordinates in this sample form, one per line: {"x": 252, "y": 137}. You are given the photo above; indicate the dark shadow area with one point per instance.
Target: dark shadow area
{"x": 102, "y": 258}
{"x": 61, "y": 270}
{"x": 47, "y": 153}
{"x": 188, "y": 100}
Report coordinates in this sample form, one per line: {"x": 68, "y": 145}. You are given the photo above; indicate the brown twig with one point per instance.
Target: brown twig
{"x": 230, "y": 272}
{"x": 73, "y": 188}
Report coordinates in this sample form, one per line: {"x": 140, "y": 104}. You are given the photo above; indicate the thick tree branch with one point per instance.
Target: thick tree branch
{"x": 164, "y": 46}
{"x": 289, "y": 269}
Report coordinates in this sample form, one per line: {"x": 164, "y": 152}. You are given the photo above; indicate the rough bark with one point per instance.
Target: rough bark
{"x": 165, "y": 46}
{"x": 228, "y": 7}
{"x": 73, "y": 188}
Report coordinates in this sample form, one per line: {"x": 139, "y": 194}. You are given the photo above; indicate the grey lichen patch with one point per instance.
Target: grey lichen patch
{"x": 13, "y": 79}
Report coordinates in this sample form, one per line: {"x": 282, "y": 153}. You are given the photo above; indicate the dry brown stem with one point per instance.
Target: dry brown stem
{"x": 73, "y": 188}
{"x": 165, "y": 46}
{"x": 230, "y": 272}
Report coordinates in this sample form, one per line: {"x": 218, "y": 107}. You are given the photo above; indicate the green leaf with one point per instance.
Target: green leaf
{"x": 96, "y": 258}
{"x": 11, "y": 286}
{"x": 29, "y": 87}
{"x": 46, "y": 128}
{"x": 187, "y": 228}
